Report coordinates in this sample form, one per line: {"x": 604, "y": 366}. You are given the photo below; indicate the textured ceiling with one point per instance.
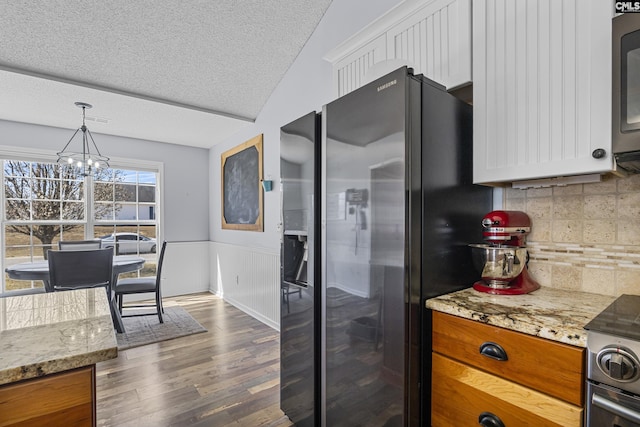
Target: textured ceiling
{"x": 152, "y": 69}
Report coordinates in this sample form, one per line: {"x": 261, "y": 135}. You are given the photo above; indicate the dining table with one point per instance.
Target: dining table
{"x": 39, "y": 270}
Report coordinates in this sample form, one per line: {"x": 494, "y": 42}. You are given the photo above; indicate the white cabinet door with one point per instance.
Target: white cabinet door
{"x": 436, "y": 42}
{"x": 350, "y": 72}
{"x": 541, "y": 89}
{"x": 431, "y": 36}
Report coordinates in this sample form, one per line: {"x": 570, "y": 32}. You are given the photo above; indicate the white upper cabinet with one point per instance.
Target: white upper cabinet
{"x": 432, "y": 37}
{"x": 352, "y": 71}
{"x": 541, "y": 88}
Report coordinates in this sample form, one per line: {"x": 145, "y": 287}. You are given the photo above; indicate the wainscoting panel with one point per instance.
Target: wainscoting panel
{"x": 248, "y": 278}
{"x": 186, "y": 268}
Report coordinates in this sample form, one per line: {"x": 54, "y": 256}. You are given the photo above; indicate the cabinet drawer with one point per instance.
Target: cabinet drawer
{"x": 461, "y": 393}
{"x": 547, "y": 366}
{"x": 67, "y": 398}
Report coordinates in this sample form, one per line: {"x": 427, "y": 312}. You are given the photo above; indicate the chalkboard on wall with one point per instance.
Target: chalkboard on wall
{"x": 241, "y": 186}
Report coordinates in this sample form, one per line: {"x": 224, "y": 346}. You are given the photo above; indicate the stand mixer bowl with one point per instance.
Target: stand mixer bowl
{"x": 498, "y": 265}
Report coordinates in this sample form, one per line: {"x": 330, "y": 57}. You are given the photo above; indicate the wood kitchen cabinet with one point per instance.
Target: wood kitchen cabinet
{"x": 67, "y": 398}
{"x": 538, "y": 382}
{"x": 541, "y": 89}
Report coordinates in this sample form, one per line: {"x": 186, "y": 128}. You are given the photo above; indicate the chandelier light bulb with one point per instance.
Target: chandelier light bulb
{"x": 97, "y": 165}
{"x": 89, "y": 162}
{"x": 79, "y": 164}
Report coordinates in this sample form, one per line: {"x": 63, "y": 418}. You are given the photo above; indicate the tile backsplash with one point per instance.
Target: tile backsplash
{"x": 584, "y": 237}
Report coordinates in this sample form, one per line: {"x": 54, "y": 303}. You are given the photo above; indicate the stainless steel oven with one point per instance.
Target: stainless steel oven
{"x": 613, "y": 367}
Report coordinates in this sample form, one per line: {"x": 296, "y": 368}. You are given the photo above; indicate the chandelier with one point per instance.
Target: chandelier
{"x": 86, "y": 158}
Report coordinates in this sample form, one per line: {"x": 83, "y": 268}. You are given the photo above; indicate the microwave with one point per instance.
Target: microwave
{"x": 626, "y": 91}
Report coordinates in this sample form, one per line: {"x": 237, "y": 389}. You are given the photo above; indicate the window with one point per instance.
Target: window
{"x": 45, "y": 203}
{"x": 125, "y": 207}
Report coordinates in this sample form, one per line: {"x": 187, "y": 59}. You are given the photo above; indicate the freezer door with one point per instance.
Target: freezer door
{"x": 363, "y": 240}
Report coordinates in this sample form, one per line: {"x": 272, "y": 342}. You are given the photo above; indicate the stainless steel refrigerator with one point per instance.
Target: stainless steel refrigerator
{"x": 398, "y": 209}
{"x": 300, "y": 293}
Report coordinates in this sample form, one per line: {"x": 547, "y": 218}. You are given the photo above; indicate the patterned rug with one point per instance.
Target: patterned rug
{"x": 147, "y": 329}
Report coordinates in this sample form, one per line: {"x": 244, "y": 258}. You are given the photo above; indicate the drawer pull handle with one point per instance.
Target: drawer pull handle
{"x": 487, "y": 419}
{"x": 494, "y": 351}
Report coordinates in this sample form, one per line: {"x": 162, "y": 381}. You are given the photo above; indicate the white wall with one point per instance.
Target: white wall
{"x": 306, "y": 87}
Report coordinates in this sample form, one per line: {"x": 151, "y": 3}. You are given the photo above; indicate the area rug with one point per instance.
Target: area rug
{"x": 147, "y": 329}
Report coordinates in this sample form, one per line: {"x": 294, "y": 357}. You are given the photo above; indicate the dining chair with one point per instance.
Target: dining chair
{"x": 142, "y": 285}
{"x": 78, "y": 245}
{"x": 80, "y": 269}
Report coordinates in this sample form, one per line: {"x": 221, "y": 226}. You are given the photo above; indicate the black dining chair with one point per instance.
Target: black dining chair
{"x": 80, "y": 269}
{"x": 142, "y": 285}
{"x": 78, "y": 245}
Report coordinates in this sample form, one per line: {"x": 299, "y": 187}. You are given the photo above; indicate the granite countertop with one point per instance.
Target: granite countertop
{"x": 550, "y": 313}
{"x": 53, "y": 332}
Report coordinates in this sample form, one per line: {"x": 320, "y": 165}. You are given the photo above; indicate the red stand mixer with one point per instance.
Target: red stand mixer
{"x": 502, "y": 261}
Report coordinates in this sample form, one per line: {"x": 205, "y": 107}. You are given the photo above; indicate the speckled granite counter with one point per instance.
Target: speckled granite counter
{"x": 547, "y": 313}
{"x": 53, "y": 332}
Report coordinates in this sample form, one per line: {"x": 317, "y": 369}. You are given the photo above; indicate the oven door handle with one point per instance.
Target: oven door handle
{"x": 615, "y": 408}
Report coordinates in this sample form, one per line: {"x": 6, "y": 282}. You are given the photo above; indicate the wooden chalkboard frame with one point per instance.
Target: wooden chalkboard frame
{"x": 242, "y": 189}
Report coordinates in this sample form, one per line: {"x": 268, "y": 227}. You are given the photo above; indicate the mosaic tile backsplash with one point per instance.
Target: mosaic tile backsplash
{"x": 584, "y": 237}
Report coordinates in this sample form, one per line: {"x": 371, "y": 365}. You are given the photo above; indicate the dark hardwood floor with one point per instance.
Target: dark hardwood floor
{"x": 228, "y": 376}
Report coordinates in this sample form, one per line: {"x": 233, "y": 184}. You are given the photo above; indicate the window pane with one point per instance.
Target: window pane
{"x": 43, "y": 235}
{"x": 17, "y": 242}
{"x": 18, "y": 249}
{"x": 101, "y": 231}
{"x": 17, "y": 210}
{"x": 72, "y": 190}
{"x": 17, "y": 188}
{"x": 147, "y": 178}
{"x": 103, "y": 192}
{"x": 128, "y": 176}
{"x": 125, "y": 192}
{"x": 45, "y": 170}
{"x": 70, "y": 232}
{"x": 103, "y": 211}
{"x": 126, "y": 211}
{"x": 15, "y": 168}
{"x": 146, "y": 194}
{"x": 104, "y": 175}
{"x": 28, "y": 242}
{"x": 46, "y": 210}
{"x": 131, "y": 239}
{"x": 146, "y": 212}
{"x": 73, "y": 210}
{"x": 153, "y": 246}
{"x": 148, "y": 231}
{"x": 46, "y": 189}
